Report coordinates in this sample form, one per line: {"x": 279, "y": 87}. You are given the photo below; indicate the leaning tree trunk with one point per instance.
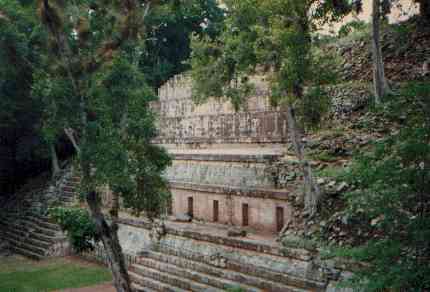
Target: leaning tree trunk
{"x": 108, "y": 233}
{"x": 311, "y": 190}
{"x": 379, "y": 82}
{"x": 109, "y": 237}
{"x": 54, "y": 160}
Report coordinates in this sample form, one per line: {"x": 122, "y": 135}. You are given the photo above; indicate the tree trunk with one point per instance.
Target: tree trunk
{"x": 70, "y": 134}
{"x": 379, "y": 82}
{"x": 54, "y": 160}
{"x": 109, "y": 237}
{"x": 311, "y": 190}
{"x": 108, "y": 234}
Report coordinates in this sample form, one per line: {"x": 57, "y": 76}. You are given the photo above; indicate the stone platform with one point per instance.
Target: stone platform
{"x": 201, "y": 257}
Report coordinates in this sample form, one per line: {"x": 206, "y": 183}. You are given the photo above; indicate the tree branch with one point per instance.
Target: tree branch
{"x": 70, "y": 134}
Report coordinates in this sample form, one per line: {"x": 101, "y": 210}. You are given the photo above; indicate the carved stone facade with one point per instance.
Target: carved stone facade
{"x": 222, "y": 169}
{"x": 183, "y": 122}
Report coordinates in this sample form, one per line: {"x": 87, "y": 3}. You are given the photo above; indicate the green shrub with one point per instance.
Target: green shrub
{"x": 78, "y": 225}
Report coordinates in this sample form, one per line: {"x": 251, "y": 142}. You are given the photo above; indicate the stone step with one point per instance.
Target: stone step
{"x": 173, "y": 280}
{"x": 68, "y": 188}
{"x": 263, "y": 279}
{"x": 74, "y": 179}
{"x": 46, "y": 231}
{"x": 29, "y": 238}
{"x": 71, "y": 184}
{"x": 233, "y": 276}
{"x": 25, "y": 252}
{"x": 147, "y": 282}
{"x": 67, "y": 200}
{"x": 33, "y": 233}
{"x": 179, "y": 270}
{"x": 37, "y": 216}
{"x": 44, "y": 237}
{"x": 27, "y": 246}
{"x": 45, "y": 220}
{"x": 33, "y": 221}
{"x": 137, "y": 288}
{"x": 69, "y": 193}
{"x": 32, "y": 227}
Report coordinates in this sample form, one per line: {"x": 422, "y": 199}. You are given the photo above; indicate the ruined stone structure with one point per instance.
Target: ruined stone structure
{"x": 229, "y": 170}
{"x": 24, "y": 223}
{"x": 230, "y": 174}
{"x": 222, "y": 159}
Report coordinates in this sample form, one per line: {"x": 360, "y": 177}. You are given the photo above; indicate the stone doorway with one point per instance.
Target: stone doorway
{"x": 216, "y": 211}
{"x": 245, "y": 215}
{"x": 191, "y": 206}
{"x": 279, "y": 218}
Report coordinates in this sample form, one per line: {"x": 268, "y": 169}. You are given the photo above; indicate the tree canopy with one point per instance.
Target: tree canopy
{"x": 169, "y": 28}
{"x": 21, "y": 47}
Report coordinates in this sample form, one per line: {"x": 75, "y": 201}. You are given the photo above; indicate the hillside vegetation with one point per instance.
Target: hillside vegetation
{"x": 372, "y": 164}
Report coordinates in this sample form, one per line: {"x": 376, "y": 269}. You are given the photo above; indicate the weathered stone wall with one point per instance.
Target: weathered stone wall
{"x": 216, "y": 121}
{"x": 235, "y": 174}
{"x": 261, "y": 211}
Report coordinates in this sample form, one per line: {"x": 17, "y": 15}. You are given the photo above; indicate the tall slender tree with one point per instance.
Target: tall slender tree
{"x": 275, "y": 35}
{"x": 94, "y": 92}
{"x": 380, "y": 83}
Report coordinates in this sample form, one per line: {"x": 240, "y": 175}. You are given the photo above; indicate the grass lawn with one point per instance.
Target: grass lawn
{"x": 19, "y": 274}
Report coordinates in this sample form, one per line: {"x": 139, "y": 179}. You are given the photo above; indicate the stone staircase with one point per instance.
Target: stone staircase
{"x": 169, "y": 269}
{"x": 33, "y": 236}
{"x": 24, "y": 223}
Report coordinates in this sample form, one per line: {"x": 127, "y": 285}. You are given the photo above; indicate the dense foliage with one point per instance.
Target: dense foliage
{"x": 392, "y": 197}
{"x": 273, "y": 38}
{"x": 93, "y": 91}
{"x": 167, "y": 46}
{"x": 79, "y": 226}
{"x": 22, "y": 149}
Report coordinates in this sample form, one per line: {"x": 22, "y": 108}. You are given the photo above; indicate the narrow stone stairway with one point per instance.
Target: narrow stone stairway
{"x": 173, "y": 270}
{"x": 24, "y": 223}
{"x": 33, "y": 236}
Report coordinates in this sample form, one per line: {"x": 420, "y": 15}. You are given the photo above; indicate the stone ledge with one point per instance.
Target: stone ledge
{"x": 233, "y": 191}
{"x": 256, "y": 158}
{"x": 141, "y": 223}
{"x": 245, "y": 244}
{"x": 209, "y": 140}
{"x": 249, "y": 245}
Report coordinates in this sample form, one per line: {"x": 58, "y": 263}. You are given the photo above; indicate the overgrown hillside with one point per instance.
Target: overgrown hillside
{"x": 372, "y": 162}
{"x": 405, "y": 47}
